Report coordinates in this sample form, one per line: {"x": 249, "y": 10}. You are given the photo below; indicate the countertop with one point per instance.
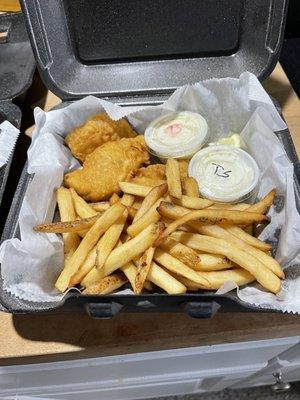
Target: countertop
{"x": 60, "y": 336}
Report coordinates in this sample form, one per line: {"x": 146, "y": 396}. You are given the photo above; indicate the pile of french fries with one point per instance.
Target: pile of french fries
{"x": 165, "y": 236}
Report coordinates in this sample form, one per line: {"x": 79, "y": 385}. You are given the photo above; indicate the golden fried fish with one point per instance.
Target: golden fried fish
{"x": 97, "y": 130}
{"x": 106, "y": 166}
{"x": 153, "y": 175}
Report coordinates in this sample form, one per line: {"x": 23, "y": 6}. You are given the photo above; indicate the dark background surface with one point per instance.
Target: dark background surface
{"x": 290, "y": 54}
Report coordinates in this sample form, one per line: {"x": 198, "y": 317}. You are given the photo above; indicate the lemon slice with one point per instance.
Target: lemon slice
{"x": 233, "y": 140}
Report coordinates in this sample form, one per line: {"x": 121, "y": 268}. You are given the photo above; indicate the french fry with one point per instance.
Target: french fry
{"x": 183, "y": 253}
{"x": 183, "y": 168}
{"x": 168, "y": 198}
{"x": 219, "y": 246}
{"x": 130, "y": 270}
{"x": 110, "y": 239}
{"x": 173, "y": 178}
{"x": 252, "y": 241}
{"x": 232, "y": 207}
{"x": 240, "y": 207}
{"x": 213, "y": 262}
{"x": 114, "y": 198}
{"x": 100, "y": 206}
{"x": 166, "y": 221}
{"x": 190, "y": 285}
{"x": 192, "y": 202}
{"x": 83, "y": 209}
{"x": 148, "y": 286}
{"x": 107, "y": 285}
{"x": 143, "y": 268}
{"x": 127, "y": 200}
{"x": 190, "y": 187}
{"x": 88, "y": 264}
{"x": 174, "y": 212}
{"x": 220, "y": 233}
{"x": 211, "y": 216}
{"x": 164, "y": 280}
{"x": 84, "y": 232}
{"x": 87, "y": 243}
{"x": 138, "y": 202}
{"x": 198, "y": 262}
{"x": 67, "y": 213}
{"x": 135, "y": 189}
{"x": 64, "y": 227}
{"x": 217, "y": 278}
{"x": 263, "y": 205}
{"x": 207, "y": 216}
{"x": 121, "y": 255}
{"x": 174, "y": 265}
{"x": 132, "y": 248}
{"x": 148, "y": 218}
{"x": 131, "y": 212}
{"x": 155, "y": 194}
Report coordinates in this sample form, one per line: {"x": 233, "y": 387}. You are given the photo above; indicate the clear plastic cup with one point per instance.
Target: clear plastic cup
{"x": 224, "y": 173}
{"x": 176, "y": 135}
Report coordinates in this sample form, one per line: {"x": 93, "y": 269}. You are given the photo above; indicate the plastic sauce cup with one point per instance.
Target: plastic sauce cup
{"x": 225, "y": 173}
{"x": 176, "y": 135}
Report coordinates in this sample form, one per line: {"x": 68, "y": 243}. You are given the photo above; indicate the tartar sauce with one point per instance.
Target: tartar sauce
{"x": 224, "y": 173}
{"x": 176, "y": 135}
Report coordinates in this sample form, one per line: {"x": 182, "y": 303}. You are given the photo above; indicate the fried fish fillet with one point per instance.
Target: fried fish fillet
{"x": 153, "y": 175}
{"x": 106, "y": 166}
{"x": 97, "y": 130}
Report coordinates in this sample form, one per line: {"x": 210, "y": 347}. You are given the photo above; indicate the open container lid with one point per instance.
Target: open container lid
{"x": 17, "y": 62}
{"x": 17, "y": 66}
{"x": 136, "y": 51}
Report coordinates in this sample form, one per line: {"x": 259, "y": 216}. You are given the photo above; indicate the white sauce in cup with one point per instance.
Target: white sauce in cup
{"x": 224, "y": 173}
{"x": 176, "y": 135}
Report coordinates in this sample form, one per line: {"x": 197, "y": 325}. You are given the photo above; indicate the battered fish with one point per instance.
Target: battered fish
{"x": 97, "y": 130}
{"x": 153, "y": 175}
{"x": 106, "y": 166}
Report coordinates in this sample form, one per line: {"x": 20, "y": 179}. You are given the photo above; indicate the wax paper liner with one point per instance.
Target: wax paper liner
{"x": 8, "y": 138}
{"x": 31, "y": 264}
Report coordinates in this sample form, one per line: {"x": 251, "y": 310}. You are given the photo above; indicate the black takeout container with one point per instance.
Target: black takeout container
{"x": 17, "y": 66}
{"x": 138, "y": 52}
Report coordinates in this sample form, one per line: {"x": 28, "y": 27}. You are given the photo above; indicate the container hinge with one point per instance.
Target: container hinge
{"x": 201, "y": 309}
{"x": 103, "y": 310}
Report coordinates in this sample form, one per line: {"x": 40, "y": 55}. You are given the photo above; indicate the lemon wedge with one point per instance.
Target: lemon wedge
{"x": 233, "y": 140}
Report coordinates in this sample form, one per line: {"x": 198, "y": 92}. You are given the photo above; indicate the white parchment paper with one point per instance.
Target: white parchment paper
{"x": 30, "y": 265}
{"x": 8, "y": 137}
